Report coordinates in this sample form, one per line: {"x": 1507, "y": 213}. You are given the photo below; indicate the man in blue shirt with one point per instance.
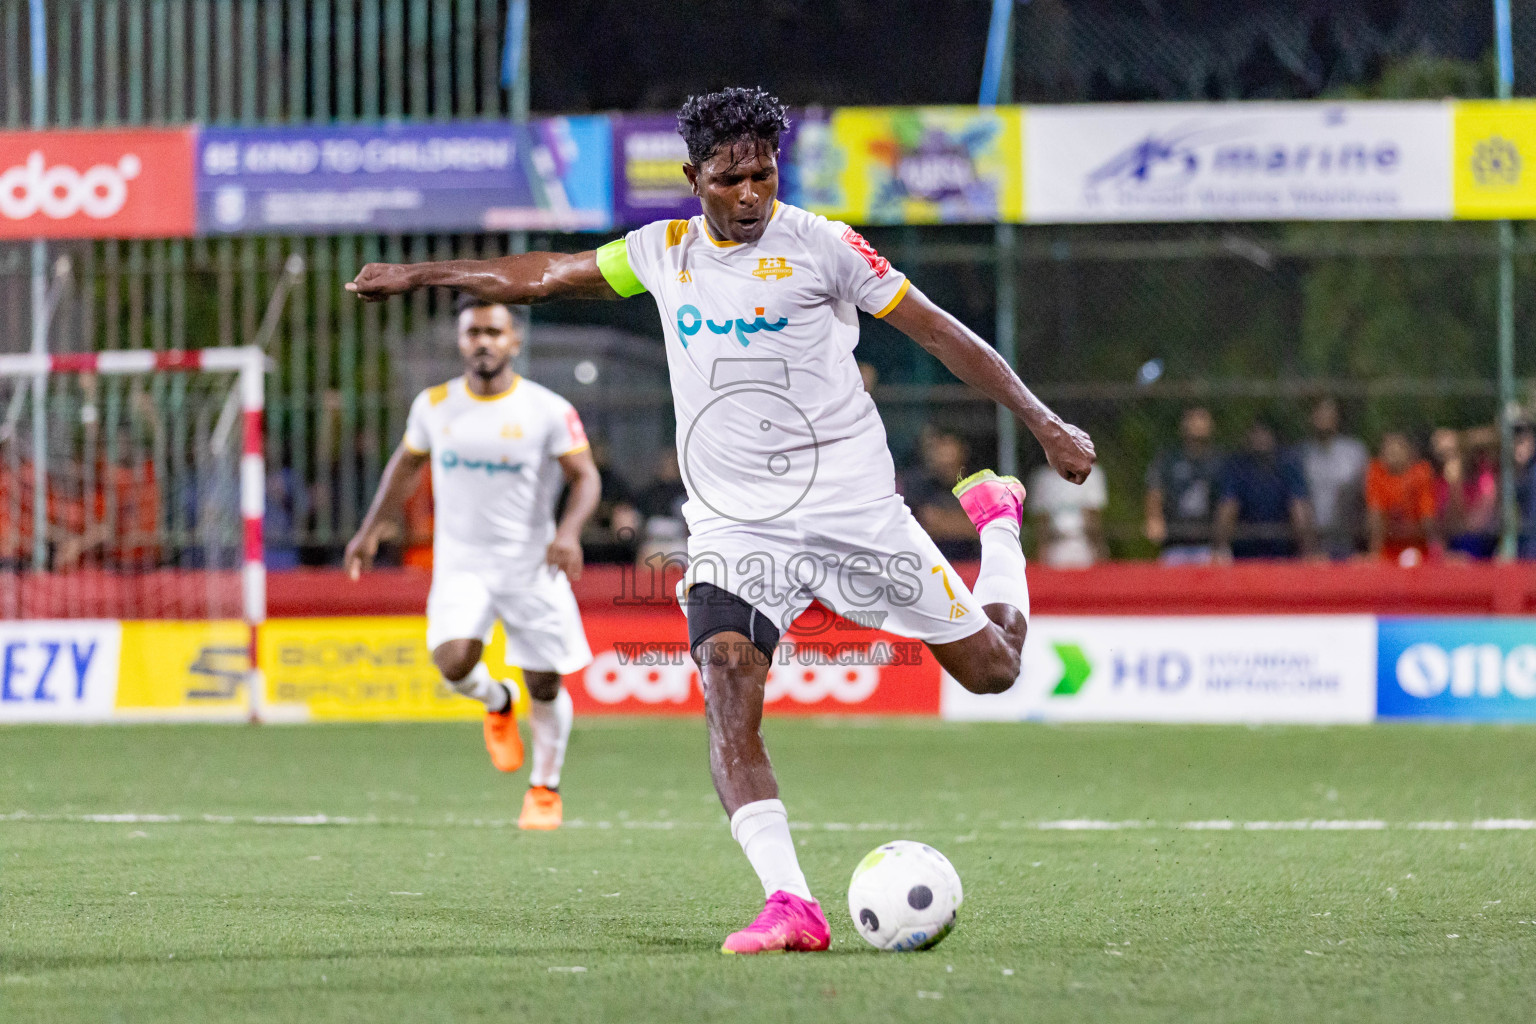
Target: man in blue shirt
{"x": 1262, "y": 509}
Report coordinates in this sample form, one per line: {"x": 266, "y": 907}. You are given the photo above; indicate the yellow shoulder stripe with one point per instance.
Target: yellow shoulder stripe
{"x": 901, "y": 293}
{"x": 676, "y": 229}
{"x": 437, "y": 394}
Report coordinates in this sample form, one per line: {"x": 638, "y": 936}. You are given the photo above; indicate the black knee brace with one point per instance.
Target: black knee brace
{"x": 712, "y": 610}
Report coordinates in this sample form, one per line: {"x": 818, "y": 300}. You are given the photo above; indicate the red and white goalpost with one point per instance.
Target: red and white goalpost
{"x": 133, "y": 486}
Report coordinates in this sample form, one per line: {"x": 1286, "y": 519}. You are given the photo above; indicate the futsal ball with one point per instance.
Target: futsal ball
{"x": 904, "y": 896}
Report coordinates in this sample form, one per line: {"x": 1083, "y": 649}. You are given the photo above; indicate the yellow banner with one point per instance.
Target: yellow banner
{"x": 372, "y": 668}
{"x": 1494, "y": 150}
{"x": 183, "y": 669}
{"x": 922, "y": 165}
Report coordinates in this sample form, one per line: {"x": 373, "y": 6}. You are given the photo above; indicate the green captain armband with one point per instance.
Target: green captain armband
{"x": 613, "y": 261}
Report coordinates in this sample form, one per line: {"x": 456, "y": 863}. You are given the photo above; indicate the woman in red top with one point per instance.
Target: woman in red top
{"x": 1400, "y": 503}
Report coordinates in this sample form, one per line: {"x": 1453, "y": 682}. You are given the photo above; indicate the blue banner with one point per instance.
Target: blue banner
{"x": 1469, "y": 669}
{"x": 551, "y": 174}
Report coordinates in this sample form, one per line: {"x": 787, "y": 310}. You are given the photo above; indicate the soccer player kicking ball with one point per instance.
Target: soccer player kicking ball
{"x": 500, "y": 447}
{"x": 791, "y": 486}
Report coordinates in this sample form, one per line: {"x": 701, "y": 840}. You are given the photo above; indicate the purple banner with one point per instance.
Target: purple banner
{"x": 648, "y": 158}
{"x": 551, "y": 174}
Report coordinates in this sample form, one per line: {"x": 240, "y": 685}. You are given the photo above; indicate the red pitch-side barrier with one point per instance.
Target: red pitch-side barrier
{"x": 1125, "y": 588}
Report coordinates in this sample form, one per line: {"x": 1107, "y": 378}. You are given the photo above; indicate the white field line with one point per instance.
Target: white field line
{"x": 1062, "y": 825}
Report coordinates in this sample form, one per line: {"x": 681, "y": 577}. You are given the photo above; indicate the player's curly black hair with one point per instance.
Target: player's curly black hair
{"x": 731, "y": 115}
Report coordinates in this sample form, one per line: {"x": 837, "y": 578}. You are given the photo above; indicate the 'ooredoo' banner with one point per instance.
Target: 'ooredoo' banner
{"x": 89, "y": 184}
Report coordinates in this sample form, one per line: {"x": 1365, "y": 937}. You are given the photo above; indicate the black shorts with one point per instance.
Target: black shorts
{"x": 712, "y": 610}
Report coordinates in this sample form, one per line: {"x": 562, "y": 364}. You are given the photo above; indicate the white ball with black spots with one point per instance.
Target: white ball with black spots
{"x": 904, "y": 896}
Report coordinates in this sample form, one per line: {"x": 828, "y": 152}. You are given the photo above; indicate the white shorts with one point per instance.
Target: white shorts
{"x": 872, "y": 564}
{"x": 541, "y": 620}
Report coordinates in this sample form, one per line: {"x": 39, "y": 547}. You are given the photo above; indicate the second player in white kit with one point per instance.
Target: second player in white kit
{"x": 501, "y": 448}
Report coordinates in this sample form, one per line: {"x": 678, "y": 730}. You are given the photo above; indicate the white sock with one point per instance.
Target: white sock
{"x": 550, "y": 721}
{"x": 480, "y": 686}
{"x": 1001, "y": 580}
{"x": 762, "y": 829}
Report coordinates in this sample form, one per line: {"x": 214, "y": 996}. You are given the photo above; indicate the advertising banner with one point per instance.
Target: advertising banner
{"x": 1258, "y": 669}
{"x": 824, "y": 666}
{"x": 648, "y": 158}
{"x": 62, "y": 670}
{"x": 648, "y": 181}
{"x": 192, "y": 670}
{"x": 96, "y": 184}
{"x": 367, "y": 668}
{"x": 1481, "y": 670}
{"x": 916, "y": 165}
{"x": 1494, "y": 144}
{"x": 1238, "y": 161}
{"x": 551, "y": 174}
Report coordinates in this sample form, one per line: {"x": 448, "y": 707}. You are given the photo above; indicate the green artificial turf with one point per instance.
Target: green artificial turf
{"x": 423, "y": 902}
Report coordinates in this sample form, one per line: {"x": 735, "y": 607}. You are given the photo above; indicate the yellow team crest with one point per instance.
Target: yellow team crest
{"x": 512, "y": 431}
{"x": 773, "y": 268}
{"x": 684, "y": 277}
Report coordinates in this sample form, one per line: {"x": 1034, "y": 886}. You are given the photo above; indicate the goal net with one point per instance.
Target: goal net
{"x": 132, "y": 486}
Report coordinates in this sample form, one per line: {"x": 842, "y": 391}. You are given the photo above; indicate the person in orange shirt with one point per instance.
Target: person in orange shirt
{"x": 419, "y": 523}
{"x": 1400, "y": 503}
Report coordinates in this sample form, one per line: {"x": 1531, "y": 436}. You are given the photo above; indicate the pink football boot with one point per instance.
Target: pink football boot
{"x": 985, "y": 496}
{"x": 787, "y": 924}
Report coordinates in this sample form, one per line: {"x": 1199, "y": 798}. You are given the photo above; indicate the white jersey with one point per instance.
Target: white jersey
{"x": 772, "y": 417}
{"x": 495, "y": 472}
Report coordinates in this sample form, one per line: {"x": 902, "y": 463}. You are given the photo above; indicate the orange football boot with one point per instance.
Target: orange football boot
{"x": 541, "y": 809}
{"x": 502, "y": 740}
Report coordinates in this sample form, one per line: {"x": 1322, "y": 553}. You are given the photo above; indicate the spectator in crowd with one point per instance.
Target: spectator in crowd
{"x": 1181, "y": 490}
{"x": 1334, "y": 467}
{"x": 420, "y": 522}
{"x": 1068, "y": 518}
{"x": 279, "y": 521}
{"x": 1400, "y": 503}
{"x": 16, "y": 516}
{"x": 1469, "y": 494}
{"x": 928, "y": 489}
{"x": 613, "y": 532}
{"x": 660, "y": 506}
{"x": 1524, "y": 455}
{"x": 1262, "y": 510}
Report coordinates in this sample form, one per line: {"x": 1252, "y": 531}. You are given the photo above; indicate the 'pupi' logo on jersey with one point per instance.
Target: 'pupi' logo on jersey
{"x": 453, "y": 460}
{"x": 773, "y": 268}
{"x": 690, "y": 321}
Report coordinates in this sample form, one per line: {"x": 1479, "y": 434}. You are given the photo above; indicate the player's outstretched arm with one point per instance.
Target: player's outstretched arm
{"x": 1069, "y": 449}
{"x": 520, "y": 280}
{"x": 586, "y": 490}
{"x": 395, "y": 487}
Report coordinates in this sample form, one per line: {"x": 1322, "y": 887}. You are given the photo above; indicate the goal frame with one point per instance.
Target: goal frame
{"x": 248, "y": 364}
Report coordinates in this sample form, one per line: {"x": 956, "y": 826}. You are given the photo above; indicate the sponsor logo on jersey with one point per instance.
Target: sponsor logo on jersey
{"x": 773, "y": 268}
{"x": 690, "y": 321}
{"x": 453, "y": 460}
{"x": 683, "y": 277}
{"x": 575, "y": 429}
{"x": 879, "y": 264}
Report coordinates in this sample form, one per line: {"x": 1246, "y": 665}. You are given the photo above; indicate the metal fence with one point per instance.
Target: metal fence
{"x": 1119, "y": 326}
